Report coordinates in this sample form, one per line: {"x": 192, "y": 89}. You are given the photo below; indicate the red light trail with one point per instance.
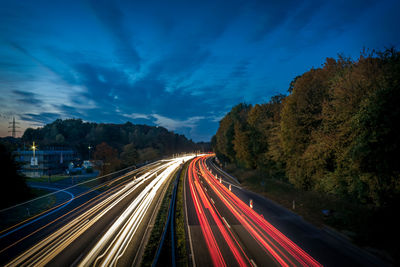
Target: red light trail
{"x": 284, "y": 251}
{"x": 198, "y": 193}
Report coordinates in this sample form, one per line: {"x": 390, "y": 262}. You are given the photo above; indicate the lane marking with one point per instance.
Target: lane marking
{"x": 227, "y": 224}
{"x": 253, "y": 263}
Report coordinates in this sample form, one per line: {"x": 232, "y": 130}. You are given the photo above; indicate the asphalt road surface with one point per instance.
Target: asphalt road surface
{"x": 225, "y": 231}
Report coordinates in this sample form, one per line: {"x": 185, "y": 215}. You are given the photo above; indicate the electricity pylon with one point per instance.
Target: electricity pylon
{"x": 13, "y": 126}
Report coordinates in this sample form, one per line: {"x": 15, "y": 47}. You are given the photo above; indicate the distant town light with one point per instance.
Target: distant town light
{"x": 89, "y": 147}
{"x": 34, "y": 161}
{"x": 34, "y": 146}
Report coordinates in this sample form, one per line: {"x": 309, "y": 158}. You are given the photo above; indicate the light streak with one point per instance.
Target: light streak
{"x": 257, "y": 226}
{"x": 198, "y": 194}
{"x": 128, "y": 223}
{"x": 43, "y": 213}
{"x": 213, "y": 248}
{"x": 123, "y": 229}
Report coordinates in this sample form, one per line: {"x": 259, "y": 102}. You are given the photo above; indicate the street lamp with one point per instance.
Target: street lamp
{"x": 34, "y": 149}
{"x": 89, "y": 147}
{"x": 33, "y": 160}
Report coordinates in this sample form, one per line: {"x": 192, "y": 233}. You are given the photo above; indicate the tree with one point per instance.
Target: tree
{"x": 376, "y": 145}
{"x": 14, "y": 188}
{"x": 337, "y": 132}
{"x": 109, "y": 157}
{"x": 302, "y": 124}
{"x": 241, "y": 144}
{"x": 224, "y": 137}
{"x": 300, "y": 116}
{"x": 224, "y": 144}
{"x": 77, "y": 134}
{"x": 258, "y": 124}
{"x": 129, "y": 155}
{"x": 148, "y": 154}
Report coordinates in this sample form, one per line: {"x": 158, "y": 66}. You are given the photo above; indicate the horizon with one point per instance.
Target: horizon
{"x": 138, "y": 124}
{"x": 179, "y": 65}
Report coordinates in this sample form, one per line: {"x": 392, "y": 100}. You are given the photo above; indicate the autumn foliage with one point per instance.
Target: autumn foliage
{"x": 336, "y": 132}
{"x": 108, "y": 157}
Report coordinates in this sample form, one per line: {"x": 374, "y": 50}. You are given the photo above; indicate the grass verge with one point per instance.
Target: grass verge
{"x": 45, "y": 179}
{"x": 181, "y": 249}
{"x": 23, "y": 212}
{"x": 156, "y": 232}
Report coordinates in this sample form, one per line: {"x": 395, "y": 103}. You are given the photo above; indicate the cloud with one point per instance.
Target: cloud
{"x": 146, "y": 95}
{"x": 111, "y": 17}
{"x": 166, "y": 122}
{"x": 295, "y": 25}
{"x": 69, "y": 111}
{"x": 137, "y": 116}
{"x": 182, "y": 62}
{"x": 41, "y": 118}
{"x": 25, "y": 97}
{"x": 102, "y": 93}
{"x": 33, "y": 58}
{"x": 172, "y": 124}
{"x": 269, "y": 16}
{"x": 241, "y": 69}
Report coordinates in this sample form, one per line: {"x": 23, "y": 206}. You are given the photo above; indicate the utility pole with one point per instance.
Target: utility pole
{"x": 13, "y": 126}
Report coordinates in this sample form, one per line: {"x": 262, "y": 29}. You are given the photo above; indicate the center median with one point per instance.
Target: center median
{"x": 160, "y": 253}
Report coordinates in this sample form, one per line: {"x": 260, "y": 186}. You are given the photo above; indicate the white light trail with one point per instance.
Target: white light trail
{"x": 136, "y": 212}
{"x": 122, "y": 229}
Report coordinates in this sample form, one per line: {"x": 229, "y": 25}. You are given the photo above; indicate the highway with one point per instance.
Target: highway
{"x": 109, "y": 225}
{"x": 98, "y": 227}
{"x": 225, "y": 231}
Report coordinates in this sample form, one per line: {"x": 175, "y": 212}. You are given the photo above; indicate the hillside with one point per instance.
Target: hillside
{"x": 127, "y": 143}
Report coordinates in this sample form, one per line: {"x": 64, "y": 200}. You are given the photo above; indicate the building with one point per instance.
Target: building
{"x": 46, "y": 162}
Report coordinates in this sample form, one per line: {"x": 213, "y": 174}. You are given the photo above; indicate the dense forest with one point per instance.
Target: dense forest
{"x": 336, "y": 132}
{"x": 119, "y": 145}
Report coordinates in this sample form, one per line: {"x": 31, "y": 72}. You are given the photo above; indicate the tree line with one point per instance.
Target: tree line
{"x": 115, "y": 145}
{"x": 119, "y": 145}
{"x": 335, "y": 132}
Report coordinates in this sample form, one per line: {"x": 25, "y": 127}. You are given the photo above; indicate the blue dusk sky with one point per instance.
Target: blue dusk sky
{"x": 177, "y": 64}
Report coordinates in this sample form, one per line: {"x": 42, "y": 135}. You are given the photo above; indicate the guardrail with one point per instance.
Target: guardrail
{"x": 169, "y": 226}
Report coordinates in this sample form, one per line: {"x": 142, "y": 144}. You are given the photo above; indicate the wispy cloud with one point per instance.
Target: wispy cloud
{"x": 41, "y": 118}
{"x": 111, "y": 17}
{"x": 173, "y": 124}
{"x": 137, "y": 116}
{"x": 29, "y": 98}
